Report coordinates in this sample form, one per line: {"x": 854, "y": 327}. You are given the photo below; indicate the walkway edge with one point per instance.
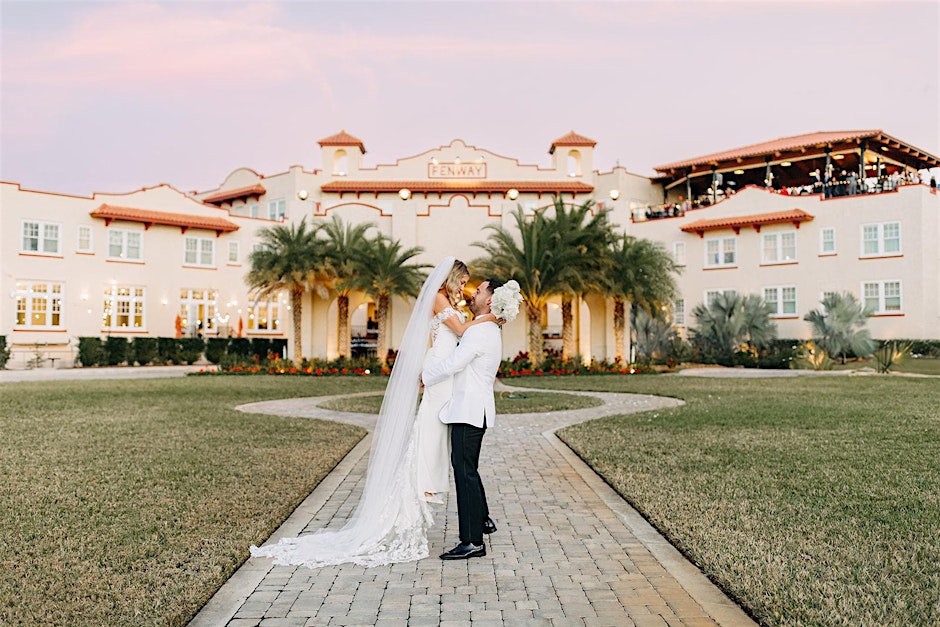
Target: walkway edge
{"x": 228, "y": 599}
{"x": 715, "y": 602}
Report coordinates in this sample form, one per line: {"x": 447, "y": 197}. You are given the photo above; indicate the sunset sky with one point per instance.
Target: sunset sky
{"x": 111, "y": 97}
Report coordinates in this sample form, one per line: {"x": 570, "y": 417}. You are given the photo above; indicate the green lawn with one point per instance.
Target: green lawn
{"x": 811, "y": 501}
{"x": 131, "y": 502}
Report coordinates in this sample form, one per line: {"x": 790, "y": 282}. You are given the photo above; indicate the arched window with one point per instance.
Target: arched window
{"x": 574, "y": 163}
{"x": 340, "y": 162}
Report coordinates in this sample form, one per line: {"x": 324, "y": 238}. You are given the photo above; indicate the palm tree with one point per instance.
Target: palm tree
{"x": 730, "y": 323}
{"x": 290, "y": 259}
{"x": 535, "y": 262}
{"x": 384, "y": 270}
{"x": 654, "y": 334}
{"x": 643, "y": 275}
{"x": 838, "y": 326}
{"x": 574, "y": 229}
{"x": 343, "y": 244}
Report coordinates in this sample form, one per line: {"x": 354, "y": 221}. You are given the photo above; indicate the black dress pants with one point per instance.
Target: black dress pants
{"x": 465, "y": 441}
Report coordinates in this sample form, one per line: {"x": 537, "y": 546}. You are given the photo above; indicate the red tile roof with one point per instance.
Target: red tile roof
{"x": 343, "y": 139}
{"x": 149, "y": 217}
{"x": 232, "y": 194}
{"x": 572, "y": 139}
{"x": 737, "y": 222}
{"x": 819, "y": 138}
{"x": 448, "y": 186}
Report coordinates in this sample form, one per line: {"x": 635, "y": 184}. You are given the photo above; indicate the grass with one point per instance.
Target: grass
{"x": 811, "y": 501}
{"x": 508, "y": 403}
{"x": 131, "y": 502}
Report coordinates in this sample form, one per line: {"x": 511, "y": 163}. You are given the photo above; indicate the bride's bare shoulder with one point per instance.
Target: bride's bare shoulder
{"x": 440, "y": 302}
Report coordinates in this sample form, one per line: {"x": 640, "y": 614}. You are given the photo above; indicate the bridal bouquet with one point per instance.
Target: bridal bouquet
{"x": 505, "y": 301}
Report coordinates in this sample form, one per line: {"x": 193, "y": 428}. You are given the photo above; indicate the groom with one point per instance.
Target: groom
{"x": 470, "y": 411}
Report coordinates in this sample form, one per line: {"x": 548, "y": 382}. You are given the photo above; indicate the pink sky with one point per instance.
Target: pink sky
{"x": 110, "y": 97}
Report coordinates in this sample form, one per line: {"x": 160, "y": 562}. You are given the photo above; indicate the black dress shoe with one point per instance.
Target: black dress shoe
{"x": 489, "y": 526}
{"x": 465, "y": 551}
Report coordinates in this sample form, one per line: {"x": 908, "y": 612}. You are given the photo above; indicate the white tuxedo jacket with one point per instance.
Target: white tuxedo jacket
{"x": 473, "y": 364}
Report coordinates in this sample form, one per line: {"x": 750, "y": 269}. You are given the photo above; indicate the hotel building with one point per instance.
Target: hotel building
{"x": 160, "y": 262}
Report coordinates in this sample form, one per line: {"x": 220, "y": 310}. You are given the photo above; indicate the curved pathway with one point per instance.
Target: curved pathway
{"x": 569, "y": 550}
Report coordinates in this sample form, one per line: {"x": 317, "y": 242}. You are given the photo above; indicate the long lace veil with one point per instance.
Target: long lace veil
{"x": 387, "y": 524}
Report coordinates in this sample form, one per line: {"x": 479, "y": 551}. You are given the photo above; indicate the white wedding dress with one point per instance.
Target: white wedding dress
{"x": 433, "y": 444}
{"x": 391, "y": 521}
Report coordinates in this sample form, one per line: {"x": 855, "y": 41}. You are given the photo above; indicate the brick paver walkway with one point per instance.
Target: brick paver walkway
{"x": 569, "y": 550}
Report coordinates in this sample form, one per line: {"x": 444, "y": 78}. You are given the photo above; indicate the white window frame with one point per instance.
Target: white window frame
{"x": 234, "y": 247}
{"x": 126, "y": 236}
{"x": 199, "y": 256}
{"x": 725, "y": 246}
{"x": 85, "y": 232}
{"x": 879, "y": 239}
{"x": 777, "y": 248}
{"x": 277, "y": 209}
{"x": 707, "y": 296}
{"x": 778, "y": 302}
{"x": 47, "y": 243}
{"x": 264, "y": 316}
{"x": 822, "y": 240}
{"x": 128, "y": 301}
{"x": 33, "y": 301}
{"x": 253, "y": 210}
{"x": 678, "y": 312}
{"x": 881, "y": 297}
{"x": 678, "y": 253}
{"x": 199, "y": 310}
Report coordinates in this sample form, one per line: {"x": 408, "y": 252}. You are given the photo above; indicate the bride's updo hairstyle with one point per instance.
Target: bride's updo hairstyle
{"x": 452, "y": 283}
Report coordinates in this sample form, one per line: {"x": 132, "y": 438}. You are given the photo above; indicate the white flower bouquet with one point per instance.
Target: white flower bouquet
{"x": 506, "y": 300}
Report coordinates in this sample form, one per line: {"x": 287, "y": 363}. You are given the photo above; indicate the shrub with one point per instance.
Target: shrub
{"x": 890, "y": 354}
{"x": 216, "y": 347}
{"x": 191, "y": 349}
{"x": 144, "y": 350}
{"x": 239, "y": 346}
{"x": 810, "y": 356}
{"x": 4, "y": 352}
{"x": 261, "y": 346}
{"x": 168, "y": 350}
{"x": 91, "y": 351}
{"x": 115, "y": 350}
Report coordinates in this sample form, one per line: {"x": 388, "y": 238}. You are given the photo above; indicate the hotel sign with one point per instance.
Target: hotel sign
{"x": 456, "y": 170}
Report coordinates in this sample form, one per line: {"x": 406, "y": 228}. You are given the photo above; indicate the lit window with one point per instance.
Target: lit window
{"x": 879, "y": 240}
{"x": 264, "y": 315}
{"x": 719, "y": 252}
{"x": 198, "y": 310}
{"x": 123, "y": 308}
{"x": 40, "y": 237}
{"x": 882, "y": 297}
{"x": 38, "y": 305}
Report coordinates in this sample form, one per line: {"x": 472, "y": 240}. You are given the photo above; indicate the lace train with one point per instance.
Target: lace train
{"x": 400, "y": 534}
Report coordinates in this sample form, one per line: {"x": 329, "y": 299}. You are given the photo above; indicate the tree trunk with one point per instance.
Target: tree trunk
{"x": 568, "y": 348}
{"x": 342, "y": 314}
{"x": 296, "y": 309}
{"x": 534, "y": 315}
{"x": 381, "y": 347}
{"x": 619, "y": 330}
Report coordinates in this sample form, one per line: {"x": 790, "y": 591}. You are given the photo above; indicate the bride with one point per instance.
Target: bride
{"x": 390, "y": 522}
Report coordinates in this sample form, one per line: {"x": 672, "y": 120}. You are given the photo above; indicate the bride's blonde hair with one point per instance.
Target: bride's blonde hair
{"x": 451, "y": 285}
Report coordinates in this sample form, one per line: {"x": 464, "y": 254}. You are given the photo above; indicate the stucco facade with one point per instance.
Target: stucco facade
{"x": 159, "y": 261}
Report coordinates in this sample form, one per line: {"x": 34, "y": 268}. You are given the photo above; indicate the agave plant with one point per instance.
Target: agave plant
{"x": 890, "y": 354}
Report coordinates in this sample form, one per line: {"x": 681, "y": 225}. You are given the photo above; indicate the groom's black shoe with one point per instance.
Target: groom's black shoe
{"x": 489, "y": 526}
{"x": 465, "y": 551}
